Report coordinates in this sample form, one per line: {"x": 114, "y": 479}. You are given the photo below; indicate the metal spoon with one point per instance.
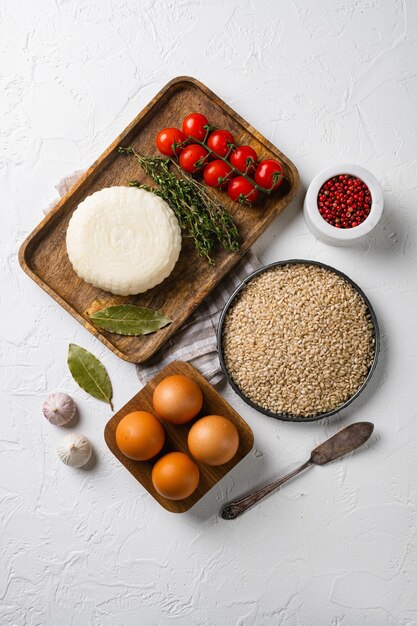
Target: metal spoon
{"x": 341, "y": 443}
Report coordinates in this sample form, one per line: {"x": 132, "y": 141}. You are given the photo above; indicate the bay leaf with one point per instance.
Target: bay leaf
{"x": 89, "y": 373}
{"x": 128, "y": 319}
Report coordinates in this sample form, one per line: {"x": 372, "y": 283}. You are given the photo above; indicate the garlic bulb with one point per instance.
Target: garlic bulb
{"x": 74, "y": 450}
{"x": 59, "y": 408}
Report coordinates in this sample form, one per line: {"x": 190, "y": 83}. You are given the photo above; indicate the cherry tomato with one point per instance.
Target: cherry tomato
{"x": 244, "y": 159}
{"x": 167, "y": 139}
{"x": 193, "y": 158}
{"x": 219, "y": 141}
{"x": 193, "y": 126}
{"x": 268, "y": 174}
{"x": 217, "y": 174}
{"x": 242, "y": 190}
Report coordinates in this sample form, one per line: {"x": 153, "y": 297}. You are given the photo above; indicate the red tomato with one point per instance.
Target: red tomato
{"x": 193, "y": 126}
{"x": 167, "y": 141}
{"x": 242, "y": 190}
{"x": 220, "y": 141}
{"x": 217, "y": 174}
{"x": 269, "y": 174}
{"x": 244, "y": 159}
{"x": 193, "y": 158}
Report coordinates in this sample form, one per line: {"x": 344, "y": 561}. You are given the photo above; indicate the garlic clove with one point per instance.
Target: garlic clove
{"x": 59, "y": 408}
{"x": 74, "y": 450}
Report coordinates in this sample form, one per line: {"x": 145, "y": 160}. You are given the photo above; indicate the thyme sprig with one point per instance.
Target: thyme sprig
{"x": 198, "y": 212}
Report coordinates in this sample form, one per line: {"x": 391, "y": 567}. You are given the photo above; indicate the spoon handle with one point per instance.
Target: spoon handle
{"x": 236, "y": 508}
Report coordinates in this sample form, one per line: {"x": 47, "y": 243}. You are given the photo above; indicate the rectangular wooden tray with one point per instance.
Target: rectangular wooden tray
{"x": 176, "y": 436}
{"x": 43, "y": 254}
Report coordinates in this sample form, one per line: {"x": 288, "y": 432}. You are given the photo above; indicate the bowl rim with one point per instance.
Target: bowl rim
{"x": 287, "y": 417}
{"x": 344, "y": 234}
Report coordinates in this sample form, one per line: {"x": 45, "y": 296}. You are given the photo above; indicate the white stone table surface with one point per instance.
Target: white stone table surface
{"x": 326, "y": 81}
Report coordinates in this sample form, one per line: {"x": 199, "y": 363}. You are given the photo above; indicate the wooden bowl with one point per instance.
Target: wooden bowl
{"x": 176, "y": 436}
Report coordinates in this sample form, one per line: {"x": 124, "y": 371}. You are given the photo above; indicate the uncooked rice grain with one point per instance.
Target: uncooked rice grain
{"x": 298, "y": 340}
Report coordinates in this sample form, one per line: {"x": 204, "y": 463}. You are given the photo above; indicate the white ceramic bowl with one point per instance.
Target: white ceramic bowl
{"x": 342, "y": 236}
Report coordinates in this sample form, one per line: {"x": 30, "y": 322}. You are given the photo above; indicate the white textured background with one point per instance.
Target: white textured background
{"x": 326, "y": 81}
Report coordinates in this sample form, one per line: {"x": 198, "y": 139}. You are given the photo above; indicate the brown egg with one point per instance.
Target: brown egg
{"x": 177, "y": 399}
{"x": 213, "y": 440}
{"x": 175, "y": 476}
{"x": 140, "y": 435}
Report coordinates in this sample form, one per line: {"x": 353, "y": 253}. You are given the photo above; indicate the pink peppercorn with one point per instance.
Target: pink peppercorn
{"x": 344, "y": 201}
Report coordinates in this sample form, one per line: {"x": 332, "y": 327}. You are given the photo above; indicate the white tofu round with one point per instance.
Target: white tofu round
{"x": 123, "y": 240}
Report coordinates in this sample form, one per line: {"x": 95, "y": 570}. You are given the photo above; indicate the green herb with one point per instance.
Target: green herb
{"x": 128, "y": 319}
{"x": 199, "y": 212}
{"x": 89, "y": 373}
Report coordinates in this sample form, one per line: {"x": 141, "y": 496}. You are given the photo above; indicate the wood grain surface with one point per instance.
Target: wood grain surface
{"x": 44, "y": 257}
{"x": 176, "y": 436}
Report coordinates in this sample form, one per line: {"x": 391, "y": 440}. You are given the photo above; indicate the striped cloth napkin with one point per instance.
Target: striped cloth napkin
{"x": 195, "y": 341}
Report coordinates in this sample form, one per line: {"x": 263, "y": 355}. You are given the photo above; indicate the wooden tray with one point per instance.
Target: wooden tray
{"x": 176, "y": 436}
{"x": 43, "y": 255}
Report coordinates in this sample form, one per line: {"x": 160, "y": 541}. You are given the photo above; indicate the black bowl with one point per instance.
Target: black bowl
{"x": 287, "y": 416}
